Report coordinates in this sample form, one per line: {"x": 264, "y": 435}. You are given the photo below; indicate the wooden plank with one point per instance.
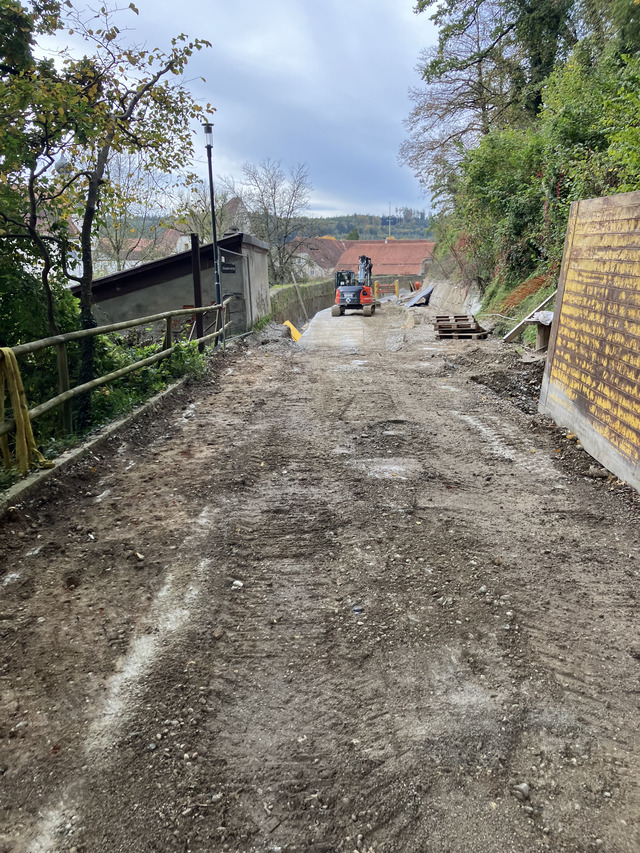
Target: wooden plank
{"x": 455, "y": 321}
{"x": 510, "y": 336}
{"x": 452, "y": 318}
{"x": 461, "y": 335}
{"x": 470, "y": 326}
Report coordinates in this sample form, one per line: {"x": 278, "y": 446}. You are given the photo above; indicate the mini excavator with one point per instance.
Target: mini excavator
{"x": 354, "y": 294}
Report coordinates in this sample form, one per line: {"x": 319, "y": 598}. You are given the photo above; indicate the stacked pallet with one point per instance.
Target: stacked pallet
{"x": 458, "y": 326}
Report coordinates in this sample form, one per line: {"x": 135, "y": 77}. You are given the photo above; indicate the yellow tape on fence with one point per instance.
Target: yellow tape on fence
{"x": 26, "y": 450}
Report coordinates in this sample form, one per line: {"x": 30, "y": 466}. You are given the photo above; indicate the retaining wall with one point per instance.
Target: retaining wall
{"x": 286, "y": 301}
{"x": 450, "y": 297}
{"x": 591, "y": 382}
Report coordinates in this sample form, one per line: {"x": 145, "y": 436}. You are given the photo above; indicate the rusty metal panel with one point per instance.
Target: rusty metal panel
{"x": 592, "y": 377}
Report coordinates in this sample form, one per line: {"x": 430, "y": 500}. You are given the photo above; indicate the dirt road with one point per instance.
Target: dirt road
{"x": 339, "y": 596}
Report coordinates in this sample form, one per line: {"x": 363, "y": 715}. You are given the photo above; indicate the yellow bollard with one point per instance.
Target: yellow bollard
{"x": 397, "y": 288}
{"x": 375, "y": 290}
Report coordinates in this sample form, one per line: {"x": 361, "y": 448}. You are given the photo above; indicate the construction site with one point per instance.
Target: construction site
{"x": 352, "y": 593}
{"x": 320, "y": 427}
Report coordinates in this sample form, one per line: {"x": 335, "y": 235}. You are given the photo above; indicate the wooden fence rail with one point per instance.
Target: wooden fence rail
{"x": 60, "y": 341}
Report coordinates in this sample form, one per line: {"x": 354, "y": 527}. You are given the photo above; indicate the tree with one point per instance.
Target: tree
{"x": 62, "y": 121}
{"x": 133, "y": 211}
{"x": 570, "y": 130}
{"x": 466, "y": 91}
{"x": 486, "y": 72}
{"x": 354, "y": 234}
{"x": 276, "y": 201}
{"x": 16, "y": 39}
{"x": 192, "y": 211}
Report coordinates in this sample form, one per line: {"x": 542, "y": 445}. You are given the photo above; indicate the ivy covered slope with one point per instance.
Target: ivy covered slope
{"x": 524, "y": 108}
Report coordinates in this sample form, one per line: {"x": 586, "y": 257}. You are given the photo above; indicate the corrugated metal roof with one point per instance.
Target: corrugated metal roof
{"x": 388, "y": 257}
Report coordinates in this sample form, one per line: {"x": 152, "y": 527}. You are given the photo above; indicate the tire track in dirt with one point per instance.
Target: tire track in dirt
{"x": 392, "y": 663}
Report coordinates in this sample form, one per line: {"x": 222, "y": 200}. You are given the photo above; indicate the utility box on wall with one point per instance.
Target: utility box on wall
{"x": 592, "y": 376}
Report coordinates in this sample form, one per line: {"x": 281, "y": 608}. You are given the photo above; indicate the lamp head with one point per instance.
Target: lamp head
{"x": 62, "y": 166}
{"x": 208, "y": 135}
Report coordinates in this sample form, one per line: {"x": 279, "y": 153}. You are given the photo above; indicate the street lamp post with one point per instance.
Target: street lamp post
{"x": 208, "y": 141}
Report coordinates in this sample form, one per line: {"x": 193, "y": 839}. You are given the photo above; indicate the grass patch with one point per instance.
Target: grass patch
{"x": 262, "y": 323}
{"x": 505, "y": 318}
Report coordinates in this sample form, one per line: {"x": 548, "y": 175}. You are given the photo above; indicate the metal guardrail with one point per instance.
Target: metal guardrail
{"x": 60, "y": 341}
{"x": 381, "y": 288}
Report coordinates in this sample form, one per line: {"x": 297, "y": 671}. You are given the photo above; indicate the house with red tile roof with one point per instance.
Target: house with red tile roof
{"x": 316, "y": 257}
{"x": 389, "y": 257}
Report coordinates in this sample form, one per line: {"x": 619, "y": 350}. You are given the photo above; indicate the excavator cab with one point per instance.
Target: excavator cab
{"x": 345, "y": 278}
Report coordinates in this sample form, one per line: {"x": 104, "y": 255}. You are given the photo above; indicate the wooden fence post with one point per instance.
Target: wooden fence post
{"x": 197, "y": 287}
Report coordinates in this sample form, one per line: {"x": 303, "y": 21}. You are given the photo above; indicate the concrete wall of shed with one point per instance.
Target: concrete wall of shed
{"x": 257, "y": 285}
{"x": 168, "y": 296}
{"x": 233, "y": 284}
{"x": 247, "y": 284}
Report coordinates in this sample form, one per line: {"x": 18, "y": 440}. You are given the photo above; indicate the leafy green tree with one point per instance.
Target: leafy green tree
{"x": 354, "y": 234}
{"x": 466, "y": 90}
{"x": 486, "y": 73}
{"x": 564, "y": 125}
{"x": 625, "y": 19}
{"x": 60, "y": 123}
{"x": 621, "y": 117}
{"x": 15, "y": 38}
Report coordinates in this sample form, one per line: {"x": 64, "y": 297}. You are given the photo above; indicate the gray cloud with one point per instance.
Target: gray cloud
{"x": 318, "y": 82}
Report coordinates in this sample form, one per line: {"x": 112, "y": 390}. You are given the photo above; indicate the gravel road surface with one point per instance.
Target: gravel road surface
{"x": 346, "y": 595}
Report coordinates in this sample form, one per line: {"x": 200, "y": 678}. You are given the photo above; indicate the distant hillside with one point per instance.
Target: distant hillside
{"x": 405, "y": 224}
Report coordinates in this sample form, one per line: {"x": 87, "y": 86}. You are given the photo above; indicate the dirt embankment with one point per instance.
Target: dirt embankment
{"x": 354, "y": 595}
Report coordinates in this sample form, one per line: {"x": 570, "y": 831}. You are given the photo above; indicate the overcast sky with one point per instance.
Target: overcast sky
{"x": 324, "y": 83}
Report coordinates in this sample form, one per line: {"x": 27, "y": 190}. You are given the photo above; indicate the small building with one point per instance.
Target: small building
{"x": 167, "y": 284}
{"x": 396, "y": 258}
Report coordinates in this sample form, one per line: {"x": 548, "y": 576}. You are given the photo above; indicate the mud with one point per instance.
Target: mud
{"x": 348, "y": 595}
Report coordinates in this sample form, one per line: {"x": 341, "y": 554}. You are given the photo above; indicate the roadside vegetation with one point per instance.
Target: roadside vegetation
{"x": 523, "y": 109}
{"x": 73, "y": 122}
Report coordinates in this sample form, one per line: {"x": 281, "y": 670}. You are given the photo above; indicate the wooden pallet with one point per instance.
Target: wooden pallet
{"x": 458, "y": 326}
